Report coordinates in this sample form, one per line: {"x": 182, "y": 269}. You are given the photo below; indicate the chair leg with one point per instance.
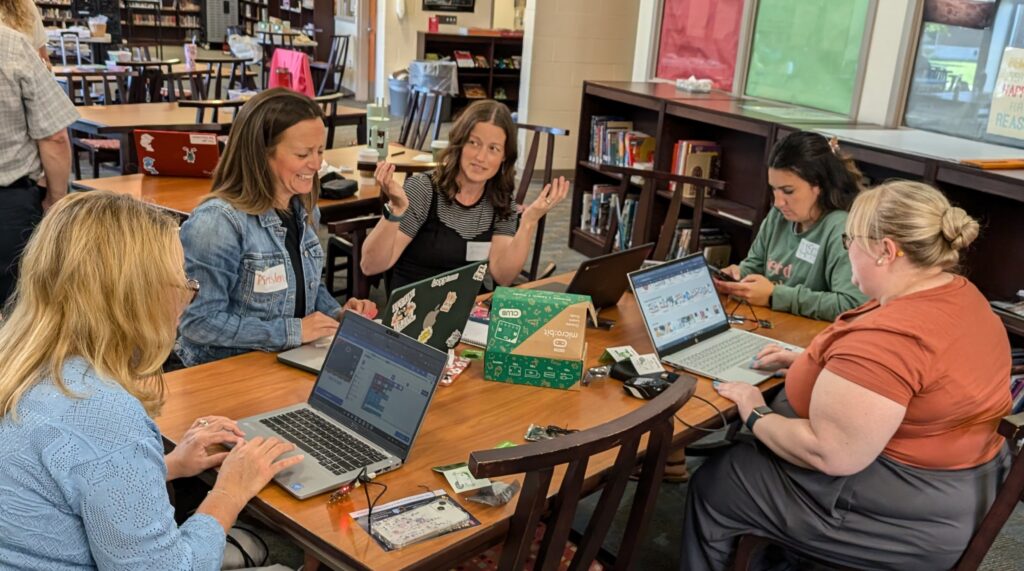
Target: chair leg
{"x": 77, "y": 163}
{"x": 95, "y": 164}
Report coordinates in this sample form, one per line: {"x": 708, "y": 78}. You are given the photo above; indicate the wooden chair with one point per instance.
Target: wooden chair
{"x": 329, "y": 103}
{"x": 540, "y": 459}
{"x": 1010, "y": 494}
{"x": 346, "y": 241}
{"x": 533, "y": 272}
{"x": 668, "y": 227}
{"x": 213, "y": 105}
{"x": 208, "y": 84}
{"x": 337, "y": 59}
{"x": 69, "y": 40}
{"x": 422, "y": 118}
{"x": 80, "y": 83}
{"x": 175, "y": 86}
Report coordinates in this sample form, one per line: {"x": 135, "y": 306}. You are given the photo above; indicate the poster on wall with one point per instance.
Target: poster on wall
{"x": 700, "y": 38}
{"x": 1006, "y": 115}
{"x": 964, "y": 13}
{"x": 449, "y": 5}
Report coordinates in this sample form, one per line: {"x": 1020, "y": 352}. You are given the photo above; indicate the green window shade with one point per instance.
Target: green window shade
{"x": 807, "y": 52}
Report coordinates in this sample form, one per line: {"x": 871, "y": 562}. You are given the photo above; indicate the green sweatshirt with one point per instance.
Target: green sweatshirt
{"x": 811, "y": 271}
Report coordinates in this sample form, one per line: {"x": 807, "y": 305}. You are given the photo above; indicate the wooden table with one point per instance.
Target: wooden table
{"x": 181, "y": 195}
{"x": 119, "y": 121}
{"x": 472, "y": 414}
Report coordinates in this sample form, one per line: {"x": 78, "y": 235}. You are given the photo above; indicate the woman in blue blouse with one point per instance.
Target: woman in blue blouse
{"x": 82, "y": 468}
{"x": 253, "y": 243}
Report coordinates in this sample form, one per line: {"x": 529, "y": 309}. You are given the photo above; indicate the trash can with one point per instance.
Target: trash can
{"x": 398, "y": 93}
{"x": 436, "y": 76}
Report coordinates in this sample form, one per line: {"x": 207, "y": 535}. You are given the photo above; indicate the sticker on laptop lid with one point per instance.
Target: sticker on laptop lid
{"x": 202, "y": 139}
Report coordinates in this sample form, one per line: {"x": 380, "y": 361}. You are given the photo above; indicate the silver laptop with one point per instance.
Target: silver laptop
{"x": 433, "y": 311}
{"x": 689, "y": 327}
{"x": 364, "y": 412}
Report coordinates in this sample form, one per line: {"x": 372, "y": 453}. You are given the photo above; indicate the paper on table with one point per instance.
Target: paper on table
{"x": 424, "y": 158}
{"x": 646, "y": 364}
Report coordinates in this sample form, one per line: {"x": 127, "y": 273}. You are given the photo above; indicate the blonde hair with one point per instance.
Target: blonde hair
{"x": 930, "y": 231}
{"x": 96, "y": 282}
{"x": 17, "y": 15}
{"x": 243, "y": 177}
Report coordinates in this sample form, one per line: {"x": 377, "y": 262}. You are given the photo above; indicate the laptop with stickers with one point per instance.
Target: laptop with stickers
{"x": 432, "y": 311}
{"x": 176, "y": 153}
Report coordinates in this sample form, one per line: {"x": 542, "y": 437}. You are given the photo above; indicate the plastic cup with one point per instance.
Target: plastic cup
{"x": 436, "y": 148}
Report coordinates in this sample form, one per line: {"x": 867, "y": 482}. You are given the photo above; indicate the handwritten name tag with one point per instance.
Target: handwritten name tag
{"x": 270, "y": 280}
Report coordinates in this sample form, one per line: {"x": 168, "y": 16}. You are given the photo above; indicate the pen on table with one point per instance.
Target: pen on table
{"x": 398, "y": 153}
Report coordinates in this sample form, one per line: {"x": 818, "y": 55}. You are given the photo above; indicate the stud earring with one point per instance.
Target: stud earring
{"x": 879, "y": 261}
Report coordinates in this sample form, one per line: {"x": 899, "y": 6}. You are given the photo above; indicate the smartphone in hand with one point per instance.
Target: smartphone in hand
{"x": 719, "y": 274}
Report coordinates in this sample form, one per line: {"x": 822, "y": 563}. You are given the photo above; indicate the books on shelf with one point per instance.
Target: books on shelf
{"x": 600, "y": 208}
{"x": 481, "y": 61}
{"x": 713, "y": 241}
{"x": 700, "y": 159}
{"x": 463, "y": 58}
{"x": 613, "y": 141}
{"x": 474, "y": 91}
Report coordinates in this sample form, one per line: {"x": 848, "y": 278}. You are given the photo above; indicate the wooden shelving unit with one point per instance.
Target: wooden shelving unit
{"x": 319, "y": 13}
{"x": 746, "y": 133}
{"x": 497, "y": 83}
{"x": 180, "y": 21}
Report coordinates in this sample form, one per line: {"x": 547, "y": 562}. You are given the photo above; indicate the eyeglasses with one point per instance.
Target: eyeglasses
{"x": 192, "y": 285}
{"x": 848, "y": 239}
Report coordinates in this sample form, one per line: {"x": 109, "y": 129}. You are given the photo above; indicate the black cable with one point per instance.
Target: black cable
{"x": 365, "y": 480}
{"x": 721, "y": 415}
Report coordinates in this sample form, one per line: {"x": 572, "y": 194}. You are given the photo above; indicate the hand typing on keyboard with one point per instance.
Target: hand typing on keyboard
{"x": 773, "y": 358}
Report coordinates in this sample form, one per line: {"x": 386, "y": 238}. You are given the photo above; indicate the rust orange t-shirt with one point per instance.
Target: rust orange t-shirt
{"x": 940, "y": 352}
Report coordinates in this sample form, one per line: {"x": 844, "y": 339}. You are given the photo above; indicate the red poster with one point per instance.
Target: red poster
{"x": 700, "y": 38}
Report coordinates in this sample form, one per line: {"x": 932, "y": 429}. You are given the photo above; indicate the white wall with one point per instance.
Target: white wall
{"x": 504, "y": 14}
{"x": 351, "y": 65}
{"x": 565, "y": 43}
{"x": 397, "y": 38}
{"x": 892, "y": 43}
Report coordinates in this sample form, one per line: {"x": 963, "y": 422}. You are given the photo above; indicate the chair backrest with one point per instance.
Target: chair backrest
{"x": 70, "y": 39}
{"x": 668, "y": 228}
{"x": 329, "y": 104}
{"x": 549, "y": 134}
{"x": 539, "y": 460}
{"x": 337, "y": 59}
{"x": 207, "y": 83}
{"x": 422, "y": 121}
{"x": 213, "y": 105}
{"x": 144, "y": 84}
{"x": 1010, "y": 494}
{"x": 114, "y": 84}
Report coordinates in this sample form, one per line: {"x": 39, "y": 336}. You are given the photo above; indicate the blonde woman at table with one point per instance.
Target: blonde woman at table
{"x": 463, "y": 211}
{"x": 23, "y": 16}
{"x": 886, "y": 455}
{"x": 83, "y": 473}
{"x": 253, "y": 242}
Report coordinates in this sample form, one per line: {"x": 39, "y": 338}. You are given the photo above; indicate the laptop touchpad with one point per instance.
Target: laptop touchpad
{"x": 742, "y": 374}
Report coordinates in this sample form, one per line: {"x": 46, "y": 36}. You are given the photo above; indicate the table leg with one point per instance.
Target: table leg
{"x": 129, "y": 160}
{"x": 361, "y": 131}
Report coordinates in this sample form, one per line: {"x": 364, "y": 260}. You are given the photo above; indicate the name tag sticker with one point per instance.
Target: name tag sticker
{"x": 270, "y": 280}
{"x": 808, "y": 251}
{"x": 476, "y": 251}
{"x": 198, "y": 139}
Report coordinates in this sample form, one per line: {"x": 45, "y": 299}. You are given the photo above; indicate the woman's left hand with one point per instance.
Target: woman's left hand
{"x": 363, "y": 307}
{"x": 747, "y": 397}
{"x": 190, "y": 456}
{"x": 755, "y": 289}
{"x": 549, "y": 197}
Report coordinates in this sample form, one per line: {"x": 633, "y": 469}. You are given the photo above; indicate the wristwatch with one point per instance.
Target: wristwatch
{"x": 757, "y": 414}
{"x": 391, "y": 216}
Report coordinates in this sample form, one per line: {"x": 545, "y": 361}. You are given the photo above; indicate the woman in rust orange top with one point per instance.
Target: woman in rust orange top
{"x": 886, "y": 454}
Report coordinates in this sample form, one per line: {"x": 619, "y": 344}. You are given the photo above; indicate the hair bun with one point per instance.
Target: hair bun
{"x": 958, "y": 228}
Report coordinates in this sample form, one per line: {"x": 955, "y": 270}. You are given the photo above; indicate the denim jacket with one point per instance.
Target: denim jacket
{"x": 232, "y": 254}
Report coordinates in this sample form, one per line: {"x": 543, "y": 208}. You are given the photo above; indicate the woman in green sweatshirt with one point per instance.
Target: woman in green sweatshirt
{"x": 797, "y": 262}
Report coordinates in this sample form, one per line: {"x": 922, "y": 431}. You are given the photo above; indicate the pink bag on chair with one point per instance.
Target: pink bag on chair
{"x": 298, "y": 64}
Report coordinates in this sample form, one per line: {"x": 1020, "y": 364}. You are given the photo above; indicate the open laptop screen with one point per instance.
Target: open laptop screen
{"x": 679, "y": 303}
{"x": 377, "y": 382}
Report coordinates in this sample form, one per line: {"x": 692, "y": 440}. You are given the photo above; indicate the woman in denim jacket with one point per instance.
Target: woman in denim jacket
{"x": 253, "y": 243}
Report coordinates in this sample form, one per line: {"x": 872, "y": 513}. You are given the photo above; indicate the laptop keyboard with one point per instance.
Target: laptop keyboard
{"x": 729, "y": 352}
{"x": 335, "y": 449}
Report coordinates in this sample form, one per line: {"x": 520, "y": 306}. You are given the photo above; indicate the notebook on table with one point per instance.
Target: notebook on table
{"x": 364, "y": 412}
{"x": 688, "y": 325}
{"x": 432, "y": 311}
{"x": 176, "y": 153}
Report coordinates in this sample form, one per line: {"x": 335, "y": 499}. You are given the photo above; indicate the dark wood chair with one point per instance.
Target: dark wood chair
{"x": 332, "y": 71}
{"x": 533, "y": 271}
{"x": 209, "y": 83}
{"x": 1010, "y": 494}
{"x": 329, "y": 104}
{"x": 539, "y": 461}
{"x": 174, "y": 87}
{"x": 422, "y": 121}
{"x": 651, "y": 179}
{"x": 346, "y": 242}
{"x": 213, "y": 106}
{"x": 79, "y": 85}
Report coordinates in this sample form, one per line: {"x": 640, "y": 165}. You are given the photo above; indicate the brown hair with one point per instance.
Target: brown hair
{"x": 929, "y": 230}
{"x": 500, "y": 187}
{"x": 819, "y": 161}
{"x": 17, "y": 14}
{"x": 98, "y": 280}
{"x": 243, "y": 178}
